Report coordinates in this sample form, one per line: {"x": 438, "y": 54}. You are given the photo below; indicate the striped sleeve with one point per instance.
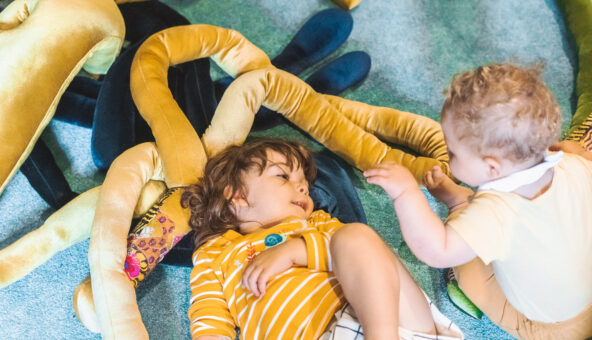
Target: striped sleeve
{"x": 317, "y": 240}
{"x": 208, "y": 311}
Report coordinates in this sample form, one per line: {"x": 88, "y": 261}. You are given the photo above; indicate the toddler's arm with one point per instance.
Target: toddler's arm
{"x": 428, "y": 238}
{"x": 208, "y": 312}
{"x": 271, "y": 262}
{"x": 311, "y": 250}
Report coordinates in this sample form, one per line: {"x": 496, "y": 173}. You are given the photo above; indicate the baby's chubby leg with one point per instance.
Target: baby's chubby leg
{"x": 445, "y": 190}
{"x": 379, "y": 288}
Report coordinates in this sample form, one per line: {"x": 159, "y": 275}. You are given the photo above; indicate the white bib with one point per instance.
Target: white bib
{"x": 524, "y": 177}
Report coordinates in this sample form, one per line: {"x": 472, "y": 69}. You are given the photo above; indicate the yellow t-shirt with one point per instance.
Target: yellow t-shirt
{"x": 298, "y": 303}
{"x": 541, "y": 249}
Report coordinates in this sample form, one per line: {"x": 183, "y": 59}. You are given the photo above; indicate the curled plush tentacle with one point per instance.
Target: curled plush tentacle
{"x": 320, "y": 116}
{"x": 183, "y": 159}
{"x": 88, "y": 33}
{"x": 84, "y": 306}
{"x": 183, "y": 154}
{"x": 108, "y": 245}
{"x": 418, "y": 133}
{"x": 67, "y": 226}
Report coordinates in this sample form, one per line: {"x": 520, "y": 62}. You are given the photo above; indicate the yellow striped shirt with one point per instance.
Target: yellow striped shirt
{"x": 298, "y": 303}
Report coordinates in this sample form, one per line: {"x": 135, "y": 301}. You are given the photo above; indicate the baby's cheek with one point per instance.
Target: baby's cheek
{"x": 458, "y": 173}
{"x": 453, "y": 166}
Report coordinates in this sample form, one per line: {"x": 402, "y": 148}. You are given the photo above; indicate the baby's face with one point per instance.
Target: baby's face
{"x": 465, "y": 164}
{"x": 273, "y": 195}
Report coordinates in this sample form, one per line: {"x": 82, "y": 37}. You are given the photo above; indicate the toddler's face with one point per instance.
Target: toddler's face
{"x": 465, "y": 163}
{"x": 273, "y": 195}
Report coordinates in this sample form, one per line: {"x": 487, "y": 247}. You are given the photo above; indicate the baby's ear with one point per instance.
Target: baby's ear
{"x": 494, "y": 166}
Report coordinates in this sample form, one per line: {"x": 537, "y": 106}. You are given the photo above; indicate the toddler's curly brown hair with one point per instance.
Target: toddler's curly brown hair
{"x": 210, "y": 200}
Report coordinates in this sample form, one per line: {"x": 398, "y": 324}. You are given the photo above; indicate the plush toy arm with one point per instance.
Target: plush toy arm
{"x": 114, "y": 295}
{"x": 181, "y": 149}
{"x": 417, "y": 133}
{"x": 578, "y": 18}
{"x": 67, "y": 226}
{"x": 297, "y": 101}
{"x": 315, "y": 114}
{"x": 34, "y": 77}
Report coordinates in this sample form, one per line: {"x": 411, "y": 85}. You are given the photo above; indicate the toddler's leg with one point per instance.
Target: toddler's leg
{"x": 445, "y": 190}
{"x": 377, "y": 285}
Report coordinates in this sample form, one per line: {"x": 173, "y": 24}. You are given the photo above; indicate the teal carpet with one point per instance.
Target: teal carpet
{"x": 415, "y": 46}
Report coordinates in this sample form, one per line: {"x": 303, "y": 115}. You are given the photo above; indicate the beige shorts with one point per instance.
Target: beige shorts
{"x": 478, "y": 283}
{"x": 345, "y": 326}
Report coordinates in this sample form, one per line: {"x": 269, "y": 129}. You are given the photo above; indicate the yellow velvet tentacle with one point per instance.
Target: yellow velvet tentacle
{"x": 67, "y": 226}
{"x": 84, "y": 306}
{"x": 356, "y": 140}
{"x": 183, "y": 154}
{"x": 114, "y": 295}
{"x": 417, "y": 133}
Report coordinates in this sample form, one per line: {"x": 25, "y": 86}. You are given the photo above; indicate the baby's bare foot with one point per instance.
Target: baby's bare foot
{"x": 444, "y": 189}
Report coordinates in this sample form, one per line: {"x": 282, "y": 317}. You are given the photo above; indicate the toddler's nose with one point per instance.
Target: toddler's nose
{"x": 303, "y": 188}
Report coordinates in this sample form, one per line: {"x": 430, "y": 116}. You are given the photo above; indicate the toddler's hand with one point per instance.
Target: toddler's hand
{"x": 393, "y": 178}
{"x": 268, "y": 263}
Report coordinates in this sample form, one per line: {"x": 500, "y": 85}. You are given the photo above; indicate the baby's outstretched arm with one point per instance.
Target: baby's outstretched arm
{"x": 272, "y": 262}
{"x": 428, "y": 238}
{"x": 445, "y": 190}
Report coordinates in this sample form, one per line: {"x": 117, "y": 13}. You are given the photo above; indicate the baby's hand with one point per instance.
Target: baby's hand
{"x": 268, "y": 263}
{"x": 445, "y": 190}
{"x": 393, "y": 178}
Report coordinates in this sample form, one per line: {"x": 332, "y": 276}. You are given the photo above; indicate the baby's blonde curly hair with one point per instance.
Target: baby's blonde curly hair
{"x": 503, "y": 110}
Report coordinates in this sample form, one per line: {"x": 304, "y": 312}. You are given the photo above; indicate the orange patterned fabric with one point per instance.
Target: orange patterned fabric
{"x": 152, "y": 238}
